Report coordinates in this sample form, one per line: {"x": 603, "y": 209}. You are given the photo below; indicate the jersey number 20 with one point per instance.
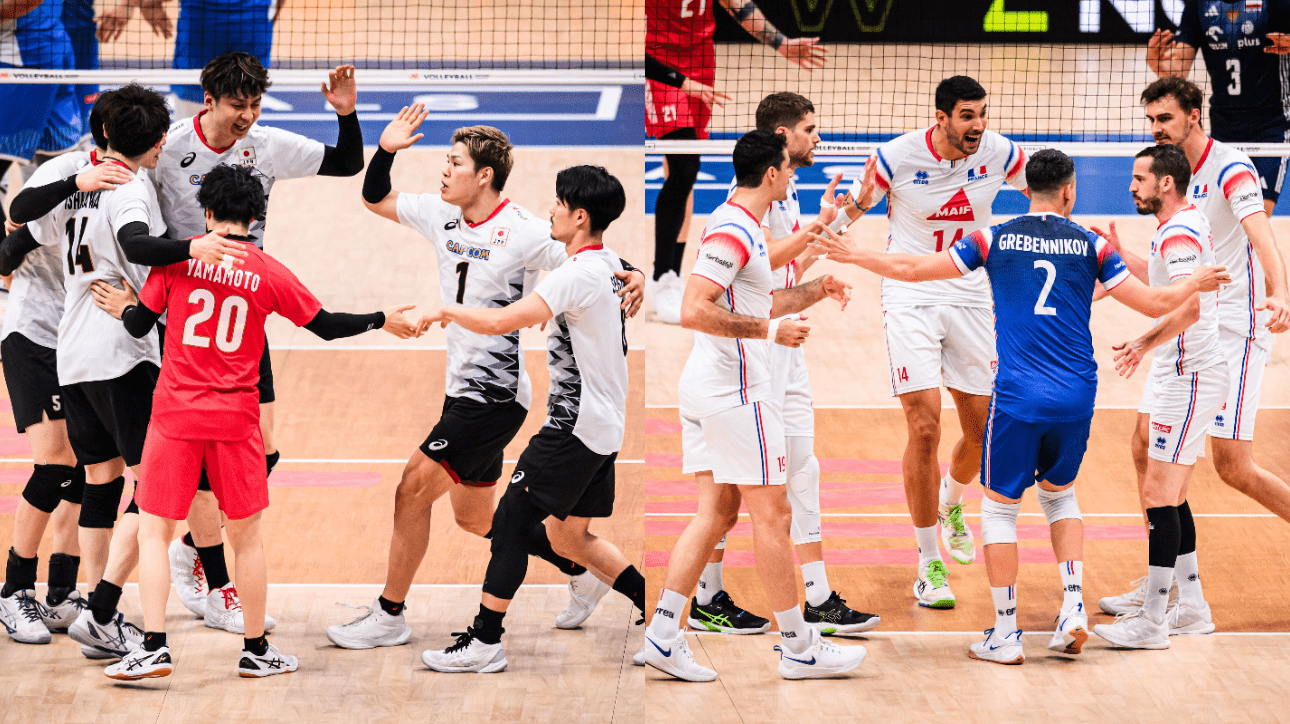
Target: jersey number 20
{"x": 229, "y": 328}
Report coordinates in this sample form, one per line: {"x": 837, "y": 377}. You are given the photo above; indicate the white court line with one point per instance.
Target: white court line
{"x": 880, "y": 632}
{"x": 342, "y": 461}
{"x": 948, "y": 406}
{"x": 363, "y": 585}
{"x": 978, "y": 515}
{"x": 389, "y": 348}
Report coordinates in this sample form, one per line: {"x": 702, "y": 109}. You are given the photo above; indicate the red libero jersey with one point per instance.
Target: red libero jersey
{"x": 679, "y": 34}
{"x": 214, "y": 339}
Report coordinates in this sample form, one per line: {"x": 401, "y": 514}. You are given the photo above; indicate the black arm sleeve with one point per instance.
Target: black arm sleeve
{"x": 335, "y": 326}
{"x": 656, "y": 71}
{"x": 346, "y": 157}
{"x": 14, "y": 248}
{"x": 32, "y": 203}
{"x": 377, "y": 184}
{"x": 139, "y": 320}
{"x": 147, "y": 250}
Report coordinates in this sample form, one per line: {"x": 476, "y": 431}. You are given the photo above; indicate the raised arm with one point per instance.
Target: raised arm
{"x": 842, "y": 248}
{"x": 805, "y": 52}
{"x": 378, "y": 195}
{"x": 1167, "y": 57}
{"x": 795, "y": 299}
{"x": 34, "y": 202}
{"x": 1136, "y": 264}
{"x": 346, "y": 157}
{"x": 336, "y": 325}
{"x": 1159, "y": 301}
{"x": 529, "y": 311}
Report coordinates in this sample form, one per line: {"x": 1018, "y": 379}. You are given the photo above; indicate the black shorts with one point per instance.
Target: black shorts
{"x": 565, "y": 477}
{"x": 108, "y": 419}
{"x": 470, "y": 437}
{"x": 265, "y": 385}
{"x": 31, "y": 373}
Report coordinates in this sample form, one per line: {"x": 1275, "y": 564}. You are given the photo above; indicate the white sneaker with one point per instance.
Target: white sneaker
{"x": 932, "y": 588}
{"x": 93, "y": 652}
{"x": 1133, "y": 600}
{"x": 638, "y": 658}
{"x": 1184, "y": 618}
{"x": 224, "y": 611}
{"x": 370, "y": 630}
{"x": 468, "y": 655}
{"x": 822, "y": 658}
{"x": 58, "y": 618}
{"x": 1072, "y": 631}
{"x": 955, "y": 534}
{"x": 1134, "y": 630}
{"x": 665, "y": 294}
{"x": 253, "y": 666}
{"x": 117, "y": 637}
{"x": 188, "y": 576}
{"x": 140, "y": 664}
{"x": 22, "y": 617}
{"x": 674, "y": 658}
{"x": 998, "y": 649}
{"x": 585, "y": 591}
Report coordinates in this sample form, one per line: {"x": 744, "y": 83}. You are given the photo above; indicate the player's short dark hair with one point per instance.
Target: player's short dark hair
{"x": 1189, "y": 95}
{"x": 954, "y": 89}
{"x": 756, "y": 151}
{"x": 232, "y": 194}
{"x": 488, "y": 148}
{"x": 782, "y": 109}
{"x": 236, "y": 74}
{"x": 138, "y": 119}
{"x": 1048, "y": 171}
{"x": 1168, "y": 160}
{"x": 594, "y": 190}
{"x": 98, "y": 116}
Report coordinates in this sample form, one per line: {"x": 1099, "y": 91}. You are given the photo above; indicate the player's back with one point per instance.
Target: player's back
{"x": 1042, "y": 270}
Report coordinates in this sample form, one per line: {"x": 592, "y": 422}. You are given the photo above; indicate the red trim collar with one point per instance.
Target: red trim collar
{"x": 931, "y": 146}
{"x": 1203, "y": 156}
{"x": 592, "y": 247}
{"x": 197, "y": 125}
{"x": 94, "y": 157}
{"x": 1179, "y": 211}
{"x": 746, "y": 211}
{"x": 496, "y": 211}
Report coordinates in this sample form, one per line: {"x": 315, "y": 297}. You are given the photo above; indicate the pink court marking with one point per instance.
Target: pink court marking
{"x": 827, "y": 465}
{"x": 654, "y": 426}
{"x": 6, "y": 405}
{"x": 903, "y": 530}
{"x": 853, "y": 557}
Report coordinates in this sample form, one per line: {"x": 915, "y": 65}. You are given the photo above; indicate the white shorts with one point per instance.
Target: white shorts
{"x": 790, "y": 390}
{"x": 741, "y": 446}
{"x": 1180, "y": 407}
{"x": 1246, "y": 359}
{"x": 928, "y": 344}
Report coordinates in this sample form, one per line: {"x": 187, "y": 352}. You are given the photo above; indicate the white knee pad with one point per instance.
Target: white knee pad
{"x": 721, "y": 544}
{"x": 804, "y": 497}
{"x": 998, "y": 522}
{"x": 1059, "y": 505}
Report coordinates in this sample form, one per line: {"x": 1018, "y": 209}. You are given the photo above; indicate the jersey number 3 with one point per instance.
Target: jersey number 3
{"x": 229, "y": 328}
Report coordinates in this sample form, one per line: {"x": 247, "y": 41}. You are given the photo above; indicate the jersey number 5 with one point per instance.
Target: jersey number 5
{"x": 78, "y": 255}
{"x": 229, "y": 328}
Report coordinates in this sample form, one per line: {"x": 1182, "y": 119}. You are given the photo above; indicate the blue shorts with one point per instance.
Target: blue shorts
{"x": 1017, "y": 453}
{"x": 1271, "y": 169}
{"x": 203, "y": 34}
{"x": 78, "y": 19}
{"x": 27, "y": 111}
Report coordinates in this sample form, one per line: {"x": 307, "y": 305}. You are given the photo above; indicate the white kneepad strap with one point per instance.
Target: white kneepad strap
{"x": 999, "y": 522}
{"x": 1059, "y": 505}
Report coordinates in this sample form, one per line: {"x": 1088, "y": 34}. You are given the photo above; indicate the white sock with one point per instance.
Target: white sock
{"x": 817, "y": 583}
{"x": 709, "y": 584}
{"x": 666, "y": 624}
{"x": 1187, "y": 572}
{"x": 1072, "y": 583}
{"x": 1005, "y": 610}
{"x": 794, "y": 634}
{"x": 952, "y": 490}
{"x": 1159, "y": 581}
{"x": 928, "y": 549}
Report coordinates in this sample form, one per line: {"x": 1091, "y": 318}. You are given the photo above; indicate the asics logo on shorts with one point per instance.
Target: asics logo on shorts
{"x": 437, "y": 445}
{"x": 517, "y": 477}
{"x": 65, "y": 483}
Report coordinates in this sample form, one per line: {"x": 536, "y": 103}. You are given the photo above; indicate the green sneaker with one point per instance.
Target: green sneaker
{"x": 723, "y": 616}
{"x": 932, "y": 589}
{"x": 955, "y": 534}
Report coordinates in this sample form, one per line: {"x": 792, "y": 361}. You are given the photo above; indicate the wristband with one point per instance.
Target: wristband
{"x": 772, "y": 328}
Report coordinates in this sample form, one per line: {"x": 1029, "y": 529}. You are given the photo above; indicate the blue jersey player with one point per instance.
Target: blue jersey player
{"x": 1043, "y": 271}
{"x": 48, "y": 119}
{"x": 1244, "y": 43}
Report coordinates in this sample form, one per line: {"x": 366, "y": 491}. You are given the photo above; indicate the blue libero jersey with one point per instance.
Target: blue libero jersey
{"x": 1042, "y": 270}
{"x": 1248, "y": 86}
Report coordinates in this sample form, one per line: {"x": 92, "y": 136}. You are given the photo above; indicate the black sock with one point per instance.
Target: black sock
{"x": 212, "y": 558}
{"x": 258, "y": 645}
{"x": 488, "y": 625}
{"x": 1187, "y": 529}
{"x": 188, "y": 540}
{"x": 62, "y": 577}
{"x": 539, "y": 544}
{"x": 669, "y": 208}
{"x": 154, "y": 641}
{"x": 104, "y": 600}
{"x": 20, "y": 574}
{"x": 1164, "y": 537}
{"x": 271, "y": 460}
{"x": 390, "y": 607}
{"x": 631, "y": 584}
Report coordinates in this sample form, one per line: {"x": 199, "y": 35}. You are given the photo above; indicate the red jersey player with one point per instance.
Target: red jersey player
{"x": 206, "y": 408}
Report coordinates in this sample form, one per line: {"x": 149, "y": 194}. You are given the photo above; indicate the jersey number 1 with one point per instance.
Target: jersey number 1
{"x": 229, "y": 328}
{"x": 940, "y": 238}
{"x": 78, "y": 255}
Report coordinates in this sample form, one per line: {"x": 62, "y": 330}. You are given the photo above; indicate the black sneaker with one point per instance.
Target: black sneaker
{"x": 723, "y": 616}
{"x": 835, "y": 617}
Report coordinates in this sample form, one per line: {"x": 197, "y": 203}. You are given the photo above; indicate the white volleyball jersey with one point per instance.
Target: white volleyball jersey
{"x": 932, "y": 203}
{"x": 274, "y": 154}
{"x": 1180, "y": 245}
{"x": 587, "y": 349}
{"x": 782, "y": 219}
{"x": 724, "y": 372}
{"x": 1225, "y": 187}
{"x": 488, "y": 264}
{"x": 36, "y": 292}
{"x": 92, "y": 345}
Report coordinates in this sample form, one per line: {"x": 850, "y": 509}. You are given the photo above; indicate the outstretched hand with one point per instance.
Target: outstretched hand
{"x": 836, "y": 289}
{"x": 397, "y": 324}
{"x": 807, "y": 53}
{"x": 340, "y": 90}
{"x": 1128, "y": 355}
{"x": 836, "y": 245}
{"x": 398, "y": 134}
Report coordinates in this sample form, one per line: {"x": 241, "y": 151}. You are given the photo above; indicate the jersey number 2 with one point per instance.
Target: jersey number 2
{"x": 229, "y": 328}
{"x": 1050, "y": 274}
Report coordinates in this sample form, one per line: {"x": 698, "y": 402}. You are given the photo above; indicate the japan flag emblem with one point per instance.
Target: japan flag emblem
{"x": 499, "y": 236}
{"x": 246, "y": 156}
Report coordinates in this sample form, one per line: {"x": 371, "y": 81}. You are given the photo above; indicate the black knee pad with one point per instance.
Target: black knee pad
{"x": 45, "y": 487}
{"x": 516, "y": 513}
{"x": 76, "y": 491}
{"x": 100, "y": 503}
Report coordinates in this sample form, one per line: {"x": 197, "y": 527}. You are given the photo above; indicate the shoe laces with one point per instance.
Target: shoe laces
{"x": 367, "y": 611}
{"x": 29, "y": 607}
{"x": 956, "y": 520}
{"x": 464, "y": 640}
{"x": 231, "y": 602}
{"x": 199, "y": 574}
{"x": 936, "y": 573}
